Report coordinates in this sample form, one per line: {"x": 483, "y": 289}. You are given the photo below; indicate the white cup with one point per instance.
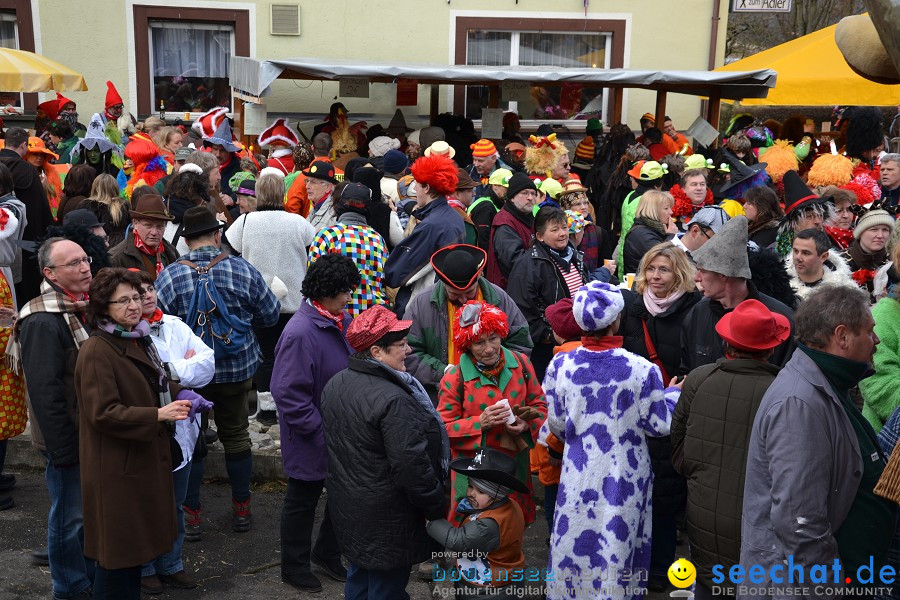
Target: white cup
{"x": 512, "y": 417}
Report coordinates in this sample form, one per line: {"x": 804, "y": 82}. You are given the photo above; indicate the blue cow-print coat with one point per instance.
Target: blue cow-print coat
{"x": 602, "y": 402}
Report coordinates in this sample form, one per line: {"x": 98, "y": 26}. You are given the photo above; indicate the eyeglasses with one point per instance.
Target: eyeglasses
{"x": 117, "y": 107}
{"x": 74, "y": 264}
{"x": 125, "y": 301}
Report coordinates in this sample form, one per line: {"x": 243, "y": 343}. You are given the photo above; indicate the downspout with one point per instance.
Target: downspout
{"x": 714, "y": 35}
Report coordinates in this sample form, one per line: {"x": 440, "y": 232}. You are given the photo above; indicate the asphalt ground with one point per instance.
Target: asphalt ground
{"x": 227, "y": 565}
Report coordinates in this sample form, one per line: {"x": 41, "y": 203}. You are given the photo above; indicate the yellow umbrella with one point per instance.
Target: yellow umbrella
{"x": 22, "y": 71}
{"x": 812, "y": 72}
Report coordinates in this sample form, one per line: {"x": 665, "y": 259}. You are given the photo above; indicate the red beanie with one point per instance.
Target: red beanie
{"x": 436, "y": 171}
{"x": 112, "y": 96}
{"x": 562, "y": 320}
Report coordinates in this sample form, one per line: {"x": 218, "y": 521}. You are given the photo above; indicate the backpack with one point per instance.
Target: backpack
{"x": 208, "y": 315}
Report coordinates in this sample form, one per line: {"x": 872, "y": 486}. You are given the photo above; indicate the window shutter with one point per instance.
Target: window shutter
{"x": 285, "y": 19}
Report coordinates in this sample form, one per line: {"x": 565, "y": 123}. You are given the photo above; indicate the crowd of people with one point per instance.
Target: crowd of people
{"x": 668, "y": 337}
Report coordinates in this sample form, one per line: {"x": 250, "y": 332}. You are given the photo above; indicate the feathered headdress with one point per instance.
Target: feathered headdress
{"x": 475, "y": 319}
{"x": 541, "y": 157}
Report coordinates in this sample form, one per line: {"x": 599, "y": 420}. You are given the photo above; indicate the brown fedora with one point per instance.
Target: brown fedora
{"x": 151, "y": 206}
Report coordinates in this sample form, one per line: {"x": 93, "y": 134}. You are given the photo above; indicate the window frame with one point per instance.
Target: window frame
{"x": 143, "y": 15}
{"x": 21, "y": 9}
{"x": 615, "y": 28}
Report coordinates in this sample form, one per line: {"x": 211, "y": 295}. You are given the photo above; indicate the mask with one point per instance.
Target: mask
{"x": 464, "y": 506}
{"x": 70, "y": 117}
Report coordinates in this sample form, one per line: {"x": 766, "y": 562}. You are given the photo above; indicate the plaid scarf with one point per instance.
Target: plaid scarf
{"x": 155, "y": 253}
{"x": 50, "y": 301}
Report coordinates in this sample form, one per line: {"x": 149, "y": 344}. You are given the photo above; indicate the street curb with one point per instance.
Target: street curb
{"x": 266, "y": 463}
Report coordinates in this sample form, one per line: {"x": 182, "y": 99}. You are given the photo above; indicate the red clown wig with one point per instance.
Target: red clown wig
{"x": 475, "y": 319}
{"x": 437, "y": 171}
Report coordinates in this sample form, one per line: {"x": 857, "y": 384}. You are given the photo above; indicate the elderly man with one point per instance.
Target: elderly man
{"x": 512, "y": 228}
{"x": 432, "y": 312}
{"x": 222, "y": 145}
{"x": 485, "y": 159}
{"x": 249, "y": 299}
{"x": 702, "y": 227}
{"x": 144, "y": 247}
{"x": 723, "y": 272}
{"x": 320, "y": 181}
{"x": 46, "y": 339}
{"x": 890, "y": 183}
{"x": 812, "y": 263}
{"x": 813, "y": 459}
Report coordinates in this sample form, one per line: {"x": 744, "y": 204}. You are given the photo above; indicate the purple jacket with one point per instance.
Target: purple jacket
{"x": 309, "y": 353}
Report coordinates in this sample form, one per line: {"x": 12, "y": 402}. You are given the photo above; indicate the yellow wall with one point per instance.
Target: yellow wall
{"x": 662, "y": 34}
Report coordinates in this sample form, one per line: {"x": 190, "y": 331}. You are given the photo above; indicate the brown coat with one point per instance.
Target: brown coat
{"x": 126, "y": 462}
{"x": 126, "y": 255}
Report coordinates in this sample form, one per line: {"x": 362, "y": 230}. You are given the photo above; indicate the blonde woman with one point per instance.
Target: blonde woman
{"x": 652, "y": 329}
{"x": 111, "y": 208}
{"x": 169, "y": 140}
{"x": 652, "y": 224}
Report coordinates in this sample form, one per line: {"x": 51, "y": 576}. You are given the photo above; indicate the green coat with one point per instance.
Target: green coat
{"x": 428, "y": 335}
{"x": 880, "y": 390}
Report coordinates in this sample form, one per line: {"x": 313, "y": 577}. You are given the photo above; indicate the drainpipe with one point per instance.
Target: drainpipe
{"x": 714, "y": 35}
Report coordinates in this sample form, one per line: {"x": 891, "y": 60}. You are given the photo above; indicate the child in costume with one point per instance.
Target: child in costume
{"x": 490, "y": 538}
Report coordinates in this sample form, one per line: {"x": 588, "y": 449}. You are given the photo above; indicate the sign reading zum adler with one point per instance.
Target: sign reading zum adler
{"x": 761, "y": 5}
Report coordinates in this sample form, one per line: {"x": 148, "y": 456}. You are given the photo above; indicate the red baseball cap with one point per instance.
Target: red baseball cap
{"x": 751, "y": 326}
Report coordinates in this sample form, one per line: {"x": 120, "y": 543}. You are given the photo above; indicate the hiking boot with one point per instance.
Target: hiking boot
{"x": 151, "y": 585}
{"x": 305, "y": 582}
{"x": 193, "y": 531}
{"x": 266, "y": 417}
{"x": 180, "y": 580}
{"x": 241, "y": 516}
{"x": 334, "y": 568}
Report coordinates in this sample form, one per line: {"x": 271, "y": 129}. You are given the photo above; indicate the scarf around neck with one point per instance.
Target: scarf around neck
{"x": 141, "y": 335}
{"x": 155, "y": 253}
{"x": 656, "y": 306}
{"x": 338, "y": 320}
{"x": 651, "y": 224}
{"x": 866, "y": 260}
{"x": 424, "y": 400}
{"x": 50, "y": 301}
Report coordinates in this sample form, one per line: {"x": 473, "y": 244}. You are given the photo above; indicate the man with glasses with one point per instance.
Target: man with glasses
{"x": 320, "y": 182}
{"x": 47, "y": 336}
{"x": 706, "y": 223}
{"x": 144, "y": 247}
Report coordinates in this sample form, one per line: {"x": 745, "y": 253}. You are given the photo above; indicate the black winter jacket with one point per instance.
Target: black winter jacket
{"x": 711, "y": 429}
{"x": 640, "y": 239}
{"x": 384, "y": 467}
{"x": 701, "y": 345}
{"x": 669, "y": 487}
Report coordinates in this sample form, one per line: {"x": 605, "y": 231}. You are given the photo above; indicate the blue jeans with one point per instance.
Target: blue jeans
{"x": 365, "y": 584}
{"x": 170, "y": 562}
{"x": 70, "y": 572}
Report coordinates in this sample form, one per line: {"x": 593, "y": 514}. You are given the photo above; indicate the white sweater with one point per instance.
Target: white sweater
{"x": 275, "y": 242}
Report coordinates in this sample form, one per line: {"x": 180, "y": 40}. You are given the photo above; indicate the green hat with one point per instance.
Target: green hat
{"x": 593, "y": 124}
{"x": 551, "y": 187}
{"x": 500, "y": 177}
{"x": 696, "y": 161}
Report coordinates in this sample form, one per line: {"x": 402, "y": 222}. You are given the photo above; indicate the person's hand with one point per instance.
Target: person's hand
{"x": 676, "y": 382}
{"x": 447, "y": 368}
{"x": 227, "y": 200}
{"x": 190, "y": 353}
{"x": 671, "y": 227}
{"x": 220, "y": 217}
{"x": 496, "y": 414}
{"x": 176, "y": 411}
{"x": 518, "y": 427}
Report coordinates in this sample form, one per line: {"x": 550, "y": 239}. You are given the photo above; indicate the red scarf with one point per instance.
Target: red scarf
{"x": 336, "y": 319}
{"x": 155, "y": 317}
{"x": 841, "y": 237}
{"x": 683, "y": 206}
{"x": 157, "y": 253}
{"x": 607, "y": 342}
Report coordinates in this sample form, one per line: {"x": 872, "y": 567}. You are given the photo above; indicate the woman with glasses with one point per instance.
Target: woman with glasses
{"x": 127, "y": 412}
{"x": 596, "y": 243}
{"x": 491, "y": 398}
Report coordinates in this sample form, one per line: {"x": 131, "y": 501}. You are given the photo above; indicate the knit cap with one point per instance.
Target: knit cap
{"x": 585, "y": 149}
{"x": 483, "y": 148}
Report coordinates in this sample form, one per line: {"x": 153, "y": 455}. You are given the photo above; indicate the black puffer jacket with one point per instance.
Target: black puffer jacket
{"x": 711, "y": 427}
{"x": 640, "y": 239}
{"x": 669, "y": 488}
{"x": 384, "y": 481}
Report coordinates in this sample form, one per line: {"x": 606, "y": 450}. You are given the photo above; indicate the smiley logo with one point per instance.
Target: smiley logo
{"x": 682, "y": 573}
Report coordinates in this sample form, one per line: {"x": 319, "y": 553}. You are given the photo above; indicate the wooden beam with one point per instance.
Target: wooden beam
{"x": 494, "y": 96}
{"x": 660, "y": 109}
{"x": 617, "y": 100}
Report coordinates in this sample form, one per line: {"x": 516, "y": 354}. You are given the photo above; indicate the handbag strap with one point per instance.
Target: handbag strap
{"x": 651, "y": 350}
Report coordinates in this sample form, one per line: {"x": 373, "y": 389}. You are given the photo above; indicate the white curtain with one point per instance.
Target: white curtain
{"x": 181, "y": 49}
{"x": 8, "y": 32}
{"x": 561, "y": 49}
{"x": 491, "y": 48}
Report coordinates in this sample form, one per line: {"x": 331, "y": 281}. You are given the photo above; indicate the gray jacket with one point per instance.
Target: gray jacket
{"x": 803, "y": 470}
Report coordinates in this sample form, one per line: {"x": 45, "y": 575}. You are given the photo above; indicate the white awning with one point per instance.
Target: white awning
{"x": 253, "y": 77}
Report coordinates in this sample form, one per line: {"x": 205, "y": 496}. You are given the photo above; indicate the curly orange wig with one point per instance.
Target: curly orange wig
{"x": 830, "y": 169}
{"x": 437, "y": 171}
{"x": 779, "y": 159}
{"x": 475, "y": 319}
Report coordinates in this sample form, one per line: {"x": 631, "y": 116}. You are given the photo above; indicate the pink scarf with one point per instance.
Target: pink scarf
{"x": 657, "y": 306}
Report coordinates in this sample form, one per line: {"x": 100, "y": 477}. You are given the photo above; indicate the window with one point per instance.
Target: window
{"x": 189, "y": 65}
{"x": 533, "y": 48}
{"x": 9, "y": 38}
